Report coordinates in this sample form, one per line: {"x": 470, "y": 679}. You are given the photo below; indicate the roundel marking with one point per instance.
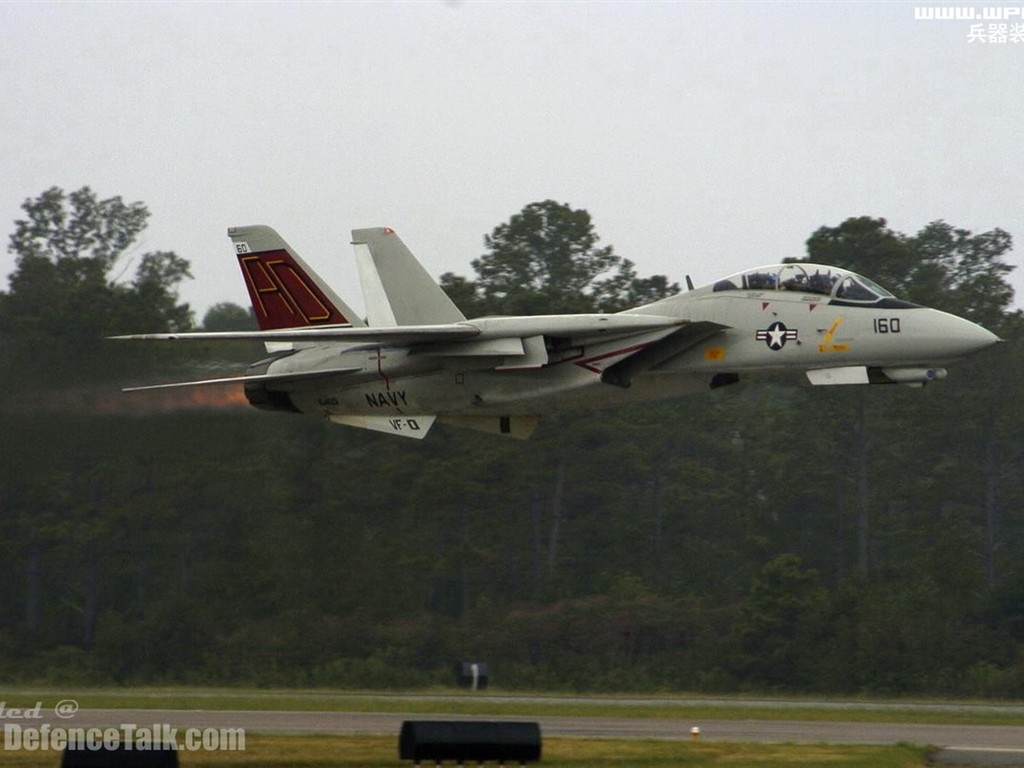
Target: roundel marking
{"x": 776, "y": 335}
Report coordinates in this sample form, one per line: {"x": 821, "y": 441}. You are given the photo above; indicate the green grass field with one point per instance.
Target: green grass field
{"x": 382, "y": 752}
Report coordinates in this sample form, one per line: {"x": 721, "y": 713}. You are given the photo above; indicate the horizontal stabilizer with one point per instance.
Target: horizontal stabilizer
{"x": 415, "y": 427}
{"x": 534, "y": 355}
{"x": 265, "y": 377}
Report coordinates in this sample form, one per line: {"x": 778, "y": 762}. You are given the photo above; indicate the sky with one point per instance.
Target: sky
{"x": 703, "y": 138}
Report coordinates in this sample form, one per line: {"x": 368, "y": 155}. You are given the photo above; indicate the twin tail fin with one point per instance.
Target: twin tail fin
{"x": 284, "y": 290}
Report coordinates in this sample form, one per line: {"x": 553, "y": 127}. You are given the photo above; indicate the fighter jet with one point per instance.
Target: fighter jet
{"x": 416, "y": 359}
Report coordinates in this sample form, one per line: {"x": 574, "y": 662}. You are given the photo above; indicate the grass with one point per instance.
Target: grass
{"x": 381, "y": 752}
{"x": 461, "y": 703}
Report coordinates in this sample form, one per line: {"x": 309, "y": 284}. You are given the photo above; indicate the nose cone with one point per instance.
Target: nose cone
{"x": 957, "y": 337}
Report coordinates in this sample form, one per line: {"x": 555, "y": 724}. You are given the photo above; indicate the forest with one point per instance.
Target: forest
{"x": 763, "y": 537}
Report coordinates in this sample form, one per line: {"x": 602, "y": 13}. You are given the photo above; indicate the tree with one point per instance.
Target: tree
{"x": 867, "y": 246}
{"x": 546, "y": 260}
{"x": 701, "y": 544}
{"x": 226, "y": 316}
{"x": 624, "y": 289}
{"x": 782, "y": 622}
{"x": 67, "y": 287}
{"x": 962, "y": 272}
{"x": 941, "y": 266}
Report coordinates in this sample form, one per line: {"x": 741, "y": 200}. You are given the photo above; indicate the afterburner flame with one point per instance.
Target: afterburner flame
{"x": 115, "y": 403}
{"x": 214, "y": 397}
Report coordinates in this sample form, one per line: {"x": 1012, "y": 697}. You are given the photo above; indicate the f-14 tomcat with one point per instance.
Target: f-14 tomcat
{"x": 416, "y": 359}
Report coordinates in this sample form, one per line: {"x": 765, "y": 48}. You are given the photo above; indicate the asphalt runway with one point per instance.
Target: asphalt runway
{"x": 993, "y": 744}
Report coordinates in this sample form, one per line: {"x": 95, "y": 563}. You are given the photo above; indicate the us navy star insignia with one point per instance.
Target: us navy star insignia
{"x": 776, "y": 335}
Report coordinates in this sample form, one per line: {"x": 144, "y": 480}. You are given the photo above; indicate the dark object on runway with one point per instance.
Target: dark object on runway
{"x": 469, "y": 740}
{"x": 474, "y": 675}
{"x": 119, "y": 757}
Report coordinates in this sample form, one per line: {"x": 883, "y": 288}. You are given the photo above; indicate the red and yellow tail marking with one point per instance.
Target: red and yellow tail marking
{"x": 283, "y": 295}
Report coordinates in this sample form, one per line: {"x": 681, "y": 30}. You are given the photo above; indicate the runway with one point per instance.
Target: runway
{"x": 1006, "y": 739}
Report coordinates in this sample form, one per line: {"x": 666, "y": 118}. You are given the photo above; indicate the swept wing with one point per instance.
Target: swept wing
{"x": 568, "y": 326}
{"x": 389, "y": 335}
{"x": 252, "y": 378}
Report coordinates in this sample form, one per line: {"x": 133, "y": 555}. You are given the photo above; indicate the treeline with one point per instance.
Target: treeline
{"x": 762, "y": 537}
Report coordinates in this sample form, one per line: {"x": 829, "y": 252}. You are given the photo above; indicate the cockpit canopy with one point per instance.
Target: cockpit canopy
{"x": 806, "y": 278}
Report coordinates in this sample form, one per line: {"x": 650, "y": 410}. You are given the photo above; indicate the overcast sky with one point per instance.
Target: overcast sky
{"x": 703, "y": 138}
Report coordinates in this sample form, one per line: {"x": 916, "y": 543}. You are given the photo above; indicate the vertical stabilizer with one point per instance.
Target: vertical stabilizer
{"x": 285, "y": 292}
{"x": 396, "y": 287}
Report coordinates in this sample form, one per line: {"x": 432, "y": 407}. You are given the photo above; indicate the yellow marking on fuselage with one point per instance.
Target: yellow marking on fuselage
{"x": 826, "y": 343}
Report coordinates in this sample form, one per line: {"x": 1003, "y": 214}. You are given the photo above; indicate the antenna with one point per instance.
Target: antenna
{"x": 689, "y": 283}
